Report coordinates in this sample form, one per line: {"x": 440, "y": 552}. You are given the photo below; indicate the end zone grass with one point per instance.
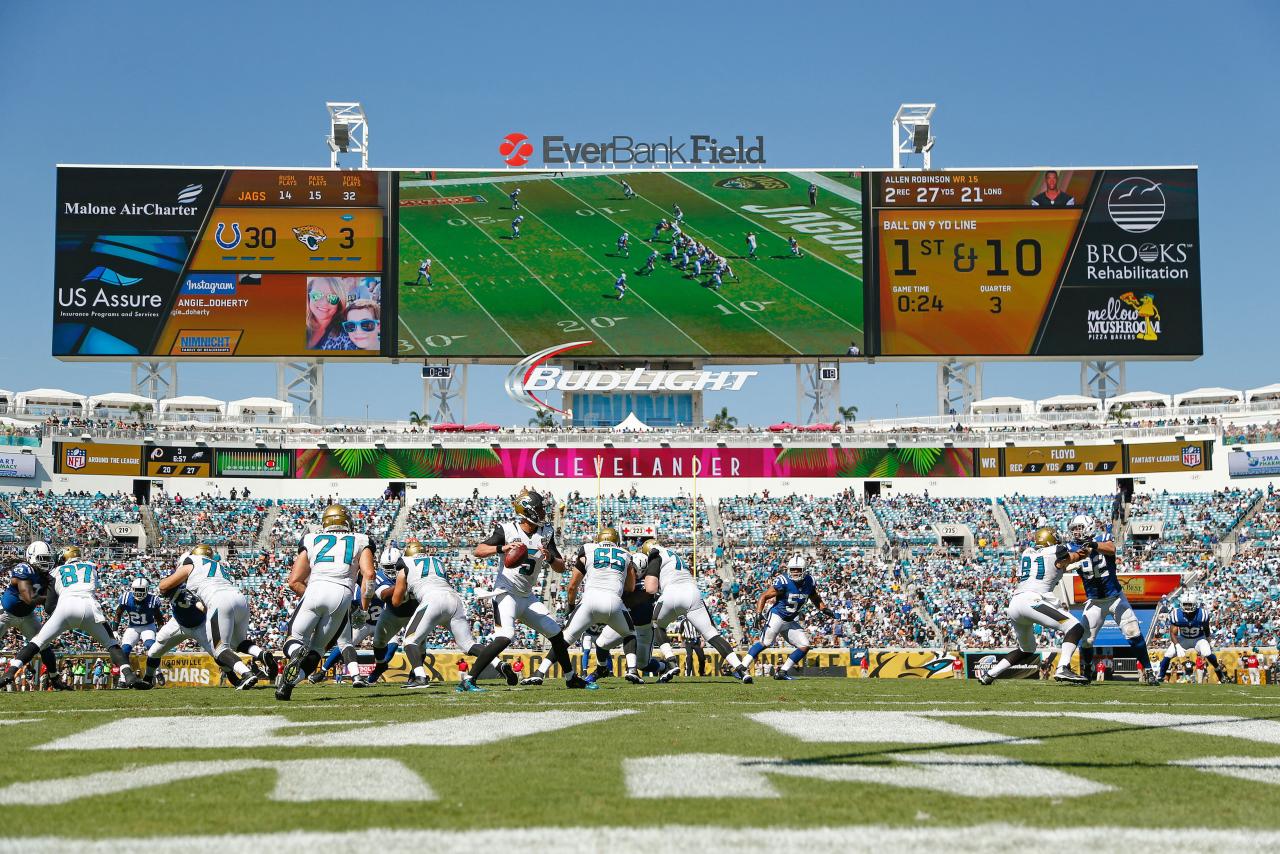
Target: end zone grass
{"x": 577, "y": 774}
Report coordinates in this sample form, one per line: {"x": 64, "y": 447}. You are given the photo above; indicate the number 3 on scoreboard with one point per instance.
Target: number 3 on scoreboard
{"x": 997, "y": 305}
{"x": 348, "y": 237}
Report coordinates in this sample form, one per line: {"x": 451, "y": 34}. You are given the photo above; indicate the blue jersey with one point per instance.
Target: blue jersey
{"x": 40, "y": 584}
{"x": 1098, "y": 573}
{"x": 1193, "y": 626}
{"x": 382, "y": 579}
{"x": 139, "y": 612}
{"x": 185, "y": 609}
{"x": 791, "y": 595}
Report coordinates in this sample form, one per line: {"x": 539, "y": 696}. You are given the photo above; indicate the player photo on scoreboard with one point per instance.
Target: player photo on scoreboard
{"x": 344, "y": 313}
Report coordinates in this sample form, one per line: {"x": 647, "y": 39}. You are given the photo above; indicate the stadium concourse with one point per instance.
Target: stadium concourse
{"x": 904, "y": 563}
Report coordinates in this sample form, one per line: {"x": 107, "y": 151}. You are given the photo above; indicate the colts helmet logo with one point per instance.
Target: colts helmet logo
{"x": 77, "y": 458}
{"x": 1191, "y": 456}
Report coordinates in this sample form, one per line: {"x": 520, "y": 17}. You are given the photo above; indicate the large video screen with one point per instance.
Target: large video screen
{"x": 214, "y": 263}
{"x": 758, "y": 265}
{"x": 1049, "y": 262}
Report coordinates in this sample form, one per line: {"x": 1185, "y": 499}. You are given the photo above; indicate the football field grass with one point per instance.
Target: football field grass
{"x": 500, "y": 296}
{"x": 823, "y": 764}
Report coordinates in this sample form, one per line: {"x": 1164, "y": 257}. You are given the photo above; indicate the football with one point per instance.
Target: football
{"x": 513, "y": 557}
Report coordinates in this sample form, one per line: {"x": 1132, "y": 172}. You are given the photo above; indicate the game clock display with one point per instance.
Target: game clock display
{"x": 1047, "y": 262}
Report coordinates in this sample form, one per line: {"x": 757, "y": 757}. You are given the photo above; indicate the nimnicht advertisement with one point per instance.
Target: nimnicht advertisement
{"x": 1255, "y": 463}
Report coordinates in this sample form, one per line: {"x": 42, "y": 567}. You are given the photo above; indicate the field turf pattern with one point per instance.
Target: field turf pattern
{"x": 573, "y": 777}
{"x": 498, "y": 297}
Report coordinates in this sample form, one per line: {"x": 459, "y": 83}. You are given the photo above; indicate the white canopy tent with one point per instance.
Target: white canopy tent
{"x": 1253, "y": 395}
{"x": 632, "y": 424}
{"x": 1071, "y": 403}
{"x": 1208, "y": 397}
{"x": 252, "y": 407}
{"x": 1141, "y": 400}
{"x": 118, "y": 402}
{"x": 193, "y": 405}
{"x": 6, "y": 398}
{"x": 49, "y": 399}
{"x": 1001, "y": 406}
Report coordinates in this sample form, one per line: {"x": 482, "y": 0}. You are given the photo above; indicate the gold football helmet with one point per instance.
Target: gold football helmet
{"x": 69, "y": 554}
{"x": 1045, "y": 537}
{"x": 204, "y": 550}
{"x": 413, "y": 547}
{"x": 609, "y": 535}
{"x": 336, "y": 518}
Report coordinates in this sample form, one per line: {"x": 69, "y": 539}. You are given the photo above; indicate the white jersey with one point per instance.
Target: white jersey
{"x": 1038, "y": 571}
{"x": 605, "y": 567}
{"x": 208, "y": 576}
{"x": 334, "y": 555}
{"x": 672, "y": 571}
{"x": 77, "y": 578}
{"x": 519, "y": 580}
{"x": 425, "y": 576}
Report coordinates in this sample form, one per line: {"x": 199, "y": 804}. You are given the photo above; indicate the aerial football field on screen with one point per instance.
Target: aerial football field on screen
{"x": 503, "y": 287}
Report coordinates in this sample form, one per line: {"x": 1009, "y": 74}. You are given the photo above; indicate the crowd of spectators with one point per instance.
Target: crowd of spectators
{"x": 1251, "y": 434}
{"x": 910, "y": 519}
{"x": 75, "y": 516}
{"x": 300, "y": 516}
{"x": 213, "y": 519}
{"x": 797, "y": 520}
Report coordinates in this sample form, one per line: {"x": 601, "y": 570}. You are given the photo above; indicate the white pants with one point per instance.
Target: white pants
{"x": 507, "y": 608}
{"x": 599, "y": 606}
{"x": 320, "y": 616}
{"x": 353, "y": 637}
{"x": 173, "y": 633}
{"x": 389, "y": 625}
{"x": 686, "y": 600}
{"x": 1030, "y": 609}
{"x": 227, "y": 619}
{"x": 644, "y": 642}
{"x": 133, "y": 634}
{"x": 1255, "y": 676}
{"x": 790, "y": 630}
{"x": 1096, "y": 611}
{"x": 27, "y": 626}
{"x": 1182, "y": 646}
{"x": 81, "y": 613}
{"x": 440, "y": 610}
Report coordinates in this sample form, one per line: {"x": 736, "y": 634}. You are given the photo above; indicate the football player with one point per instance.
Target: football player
{"x": 357, "y": 630}
{"x": 667, "y": 577}
{"x": 226, "y": 611}
{"x": 323, "y": 574}
{"x": 1097, "y": 570}
{"x": 627, "y": 192}
{"x": 676, "y": 213}
{"x": 392, "y": 617}
{"x": 1039, "y": 569}
{"x": 75, "y": 581}
{"x": 424, "y": 272}
{"x": 423, "y": 582}
{"x": 650, "y": 263}
{"x": 621, "y": 285}
{"x": 789, "y": 593}
{"x": 751, "y": 245}
{"x": 514, "y": 598}
{"x": 604, "y": 571}
{"x": 29, "y": 585}
{"x": 514, "y": 196}
{"x": 795, "y": 247}
{"x": 187, "y": 623}
{"x": 624, "y": 245}
{"x": 1189, "y": 633}
{"x": 640, "y": 603}
{"x": 515, "y": 226}
{"x": 138, "y": 615}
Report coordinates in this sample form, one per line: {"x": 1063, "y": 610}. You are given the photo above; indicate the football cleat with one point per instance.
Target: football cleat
{"x": 668, "y": 674}
{"x": 506, "y": 670}
{"x": 467, "y": 685}
{"x": 1222, "y": 674}
{"x": 416, "y": 682}
{"x": 783, "y": 676}
{"x": 316, "y": 678}
{"x": 247, "y": 683}
{"x": 575, "y": 681}
{"x": 292, "y": 673}
{"x": 1149, "y": 677}
{"x": 745, "y": 677}
{"x": 6, "y": 679}
{"x": 284, "y": 690}
{"x": 143, "y": 684}
{"x": 359, "y": 682}
{"x": 633, "y": 676}
{"x": 59, "y": 684}
{"x": 535, "y": 679}
{"x": 600, "y": 672}
{"x": 1066, "y": 674}
{"x": 985, "y": 677}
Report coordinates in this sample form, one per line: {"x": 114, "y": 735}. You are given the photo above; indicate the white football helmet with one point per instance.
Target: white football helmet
{"x": 1190, "y": 602}
{"x": 796, "y": 567}
{"x": 40, "y": 555}
{"x": 139, "y": 586}
{"x": 1082, "y": 527}
{"x": 390, "y": 558}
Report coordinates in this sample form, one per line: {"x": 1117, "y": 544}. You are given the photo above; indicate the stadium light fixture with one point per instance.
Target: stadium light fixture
{"x": 1008, "y": 444}
{"x": 85, "y": 437}
{"x": 948, "y": 443}
{"x": 608, "y": 443}
{"x": 720, "y": 443}
{"x": 202, "y": 441}
{"x": 148, "y": 440}
{"x": 835, "y": 442}
{"x": 913, "y": 133}
{"x": 260, "y": 442}
{"x": 893, "y": 443}
{"x": 1068, "y": 441}
{"x": 437, "y": 445}
{"x": 380, "y": 444}
{"x": 348, "y": 132}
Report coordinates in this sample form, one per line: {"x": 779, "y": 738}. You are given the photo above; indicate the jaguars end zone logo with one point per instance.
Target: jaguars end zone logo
{"x": 310, "y": 236}
{"x": 77, "y": 458}
{"x": 752, "y": 182}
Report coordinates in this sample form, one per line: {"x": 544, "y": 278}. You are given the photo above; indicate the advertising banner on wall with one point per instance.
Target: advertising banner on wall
{"x": 1147, "y": 588}
{"x": 1163, "y": 457}
{"x": 1258, "y": 463}
{"x": 96, "y": 458}
{"x": 1057, "y": 460}
{"x": 17, "y": 465}
{"x": 640, "y": 463}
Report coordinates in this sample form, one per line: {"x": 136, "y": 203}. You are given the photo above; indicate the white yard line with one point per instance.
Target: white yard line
{"x": 610, "y": 272}
{"x": 462, "y": 285}
{"x": 513, "y": 257}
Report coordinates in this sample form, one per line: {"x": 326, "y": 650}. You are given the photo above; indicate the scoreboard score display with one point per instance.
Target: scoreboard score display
{"x": 1047, "y": 262}
{"x": 220, "y": 263}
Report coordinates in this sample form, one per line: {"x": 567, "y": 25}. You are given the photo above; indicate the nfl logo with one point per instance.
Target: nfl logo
{"x": 1191, "y": 456}
{"x": 77, "y": 458}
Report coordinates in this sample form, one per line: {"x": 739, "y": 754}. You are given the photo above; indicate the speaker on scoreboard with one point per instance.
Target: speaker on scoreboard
{"x": 341, "y": 135}
{"x": 920, "y": 138}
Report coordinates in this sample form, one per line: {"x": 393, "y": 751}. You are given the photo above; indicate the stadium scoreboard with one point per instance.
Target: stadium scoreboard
{"x": 215, "y": 263}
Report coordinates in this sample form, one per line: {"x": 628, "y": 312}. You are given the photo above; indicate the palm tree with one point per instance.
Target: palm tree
{"x": 140, "y": 411}
{"x": 419, "y": 420}
{"x": 1121, "y": 413}
{"x": 723, "y": 421}
{"x": 543, "y": 419}
{"x": 848, "y": 414}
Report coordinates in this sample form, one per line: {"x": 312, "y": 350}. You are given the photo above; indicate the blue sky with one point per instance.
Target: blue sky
{"x": 1017, "y": 84}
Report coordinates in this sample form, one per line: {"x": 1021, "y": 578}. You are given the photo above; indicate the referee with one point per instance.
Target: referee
{"x": 692, "y": 647}
{"x": 813, "y": 195}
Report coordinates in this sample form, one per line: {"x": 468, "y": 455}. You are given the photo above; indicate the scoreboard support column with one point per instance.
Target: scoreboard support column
{"x": 817, "y": 393}
{"x": 1102, "y": 379}
{"x": 959, "y": 385}
{"x": 440, "y": 392}
{"x": 156, "y": 380}
{"x": 302, "y": 384}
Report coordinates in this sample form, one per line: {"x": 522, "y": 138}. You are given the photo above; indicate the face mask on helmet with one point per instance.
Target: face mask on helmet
{"x": 389, "y": 559}
{"x": 796, "y": 568}
{"x": 1189, "y": 603}
{"x": 39, "y": 554}
{"x": 530, "y": 507}
{"x": 1081, "y": 527}
{"x": 139, "y": 586}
